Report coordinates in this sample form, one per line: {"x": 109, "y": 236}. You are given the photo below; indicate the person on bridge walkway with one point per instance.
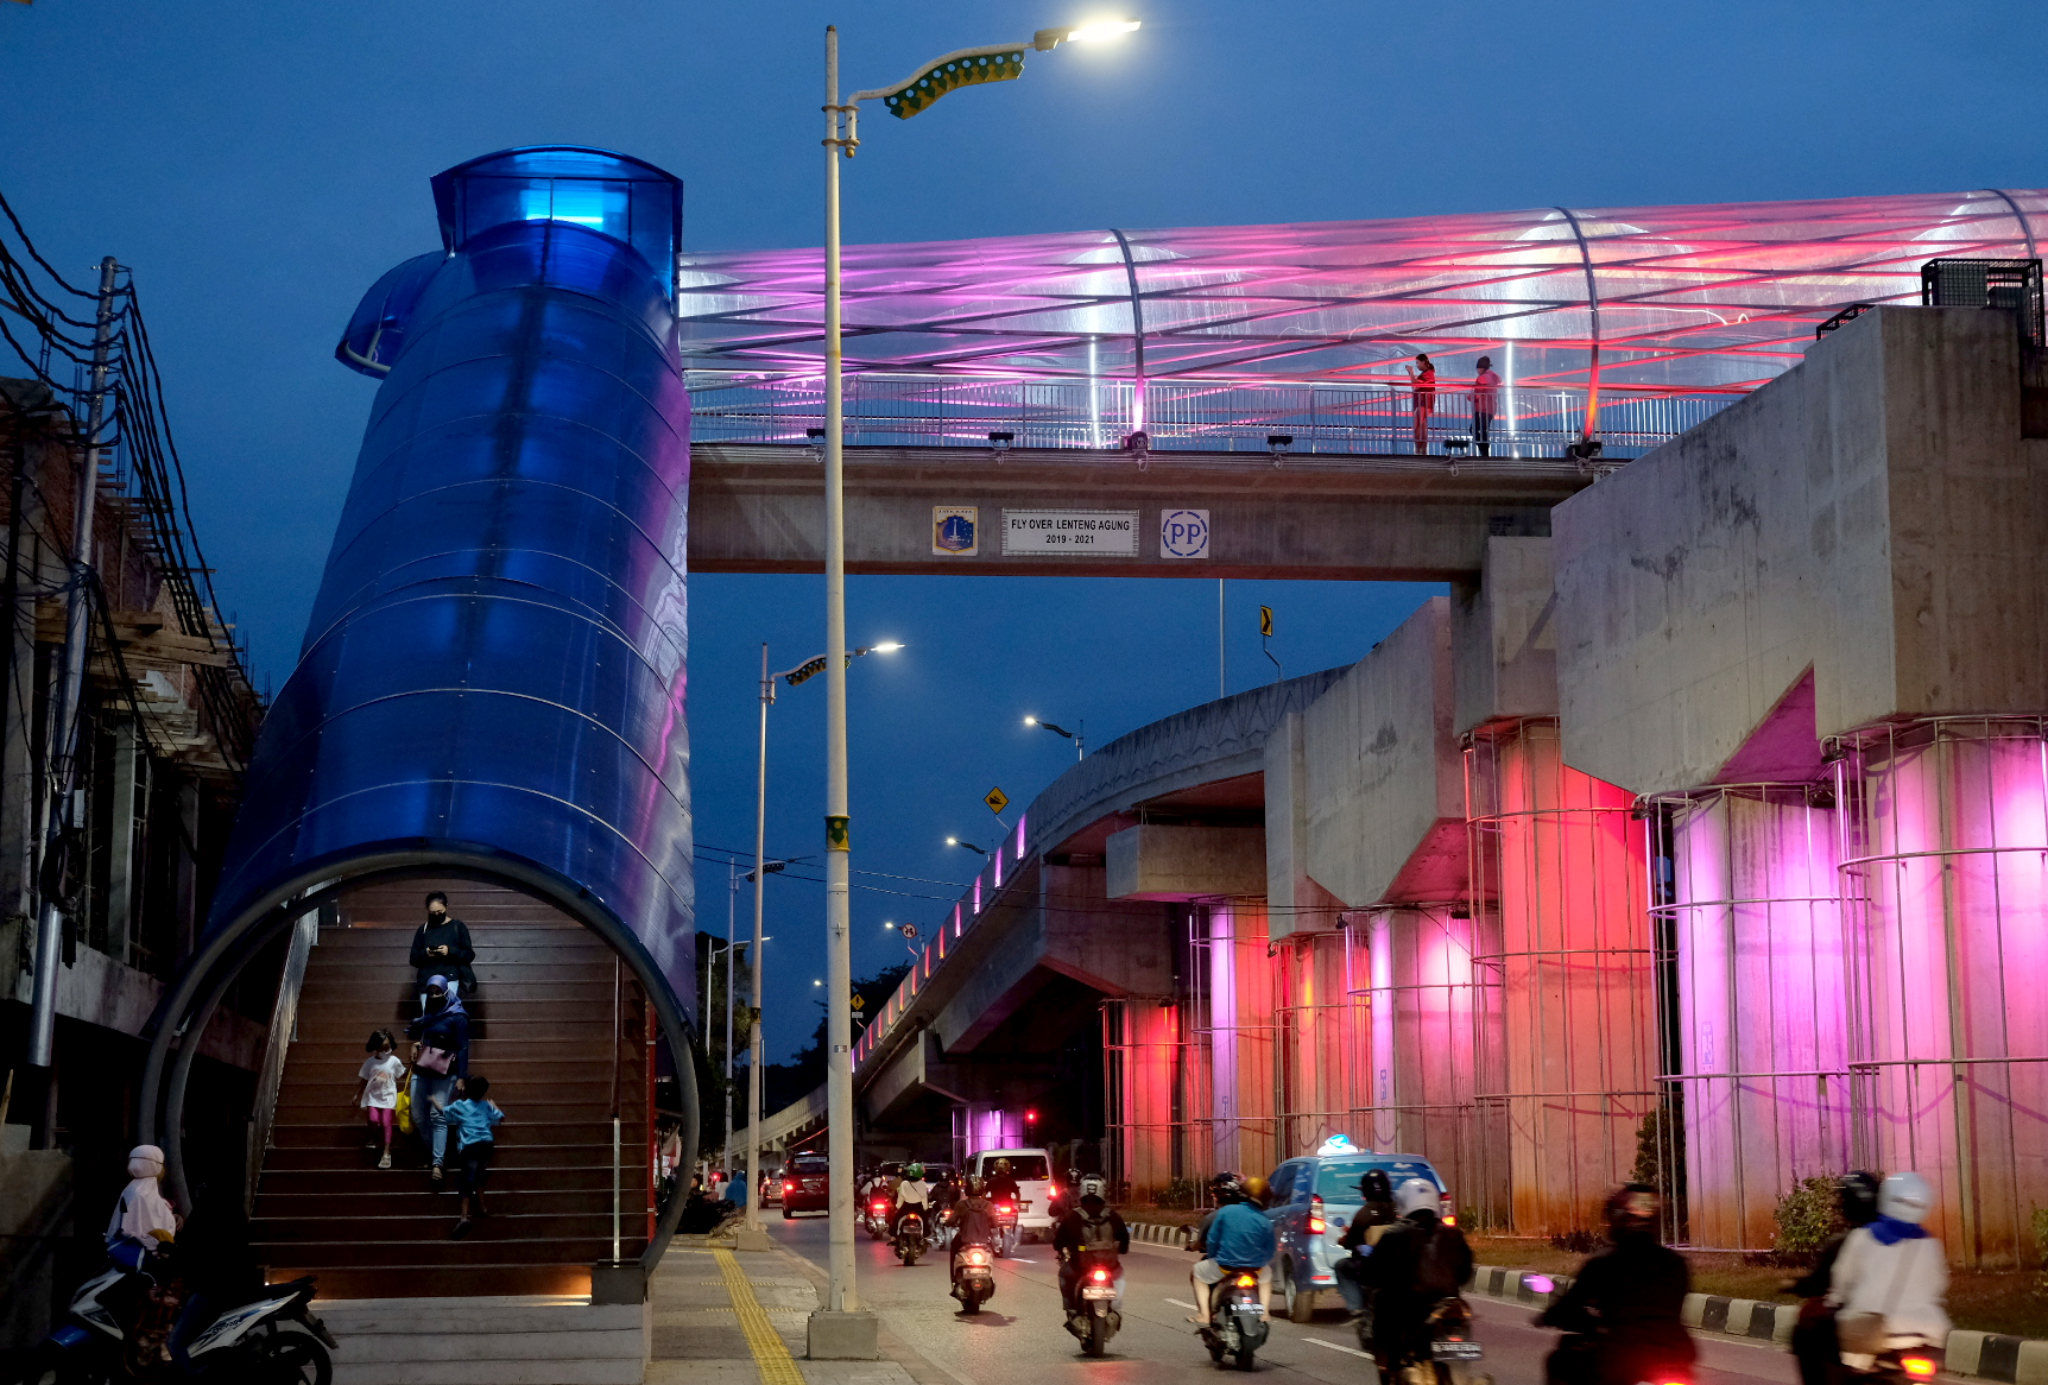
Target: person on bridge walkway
{"x": 1485, "y": 399}
{"x": 1625, "y": 1304}
{"x": 1236, "y": 1236}
{"x": 441, "y": 946}
{"x": 1417, "y": 1264}
{"x": 1092, "y": 1227}
{"x": 1422, "y": 390}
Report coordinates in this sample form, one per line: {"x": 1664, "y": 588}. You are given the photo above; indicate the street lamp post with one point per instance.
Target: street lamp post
{"x": 753, "y": 1236}
{"x": 838, "y": 1330}
{"x": 1077, "y": 735}
{"x": 965, "y": 846}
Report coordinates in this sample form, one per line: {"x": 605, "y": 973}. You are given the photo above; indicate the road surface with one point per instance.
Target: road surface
{"x": 1018, "y": 1339}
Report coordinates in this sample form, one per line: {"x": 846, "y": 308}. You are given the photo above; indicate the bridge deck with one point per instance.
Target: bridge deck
{"x": 759, "y": 507}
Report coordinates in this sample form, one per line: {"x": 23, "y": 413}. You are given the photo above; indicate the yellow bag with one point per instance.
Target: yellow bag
{"x": 403, "y": 1115}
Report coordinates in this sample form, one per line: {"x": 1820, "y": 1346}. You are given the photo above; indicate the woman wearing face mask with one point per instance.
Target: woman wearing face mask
{"x": 440, "y": 1064}
{"x": 441, "y": 946}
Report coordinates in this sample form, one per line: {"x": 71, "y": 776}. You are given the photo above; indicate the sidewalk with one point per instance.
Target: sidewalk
{"x": 720, "y": 1318}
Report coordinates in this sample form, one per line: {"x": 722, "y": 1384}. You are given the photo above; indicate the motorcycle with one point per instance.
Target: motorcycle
{"x": 271, "y": 1340}
{"x": 1237, "y": 1318}
{"x": 878, "y": 1218}
{"x": 1451, "y": 1349}
{"x": 1094, "y": 1317}
{"x": 1006, "y": 1228}
{"x": 910, "y": 1238}
{"x": 974, "y": 1278}
{"x": 1908, "y": 1361}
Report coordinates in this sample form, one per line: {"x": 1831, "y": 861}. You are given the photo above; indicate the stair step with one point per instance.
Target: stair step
{"x": 350, "y": 1025}
{"x": 589, "y": 1153}
{"x": 508, "y": 1174}
{"x": 351, "y": 1133}
{"x": 524, "y": 1226}
{"x": 407, "y": 1196}
{"x": 484, "y": 1246}
{"x": 404, "y": 1280}
{"x": 319, "y": 1104}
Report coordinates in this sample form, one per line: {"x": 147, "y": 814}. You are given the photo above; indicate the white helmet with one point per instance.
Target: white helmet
{"x": 1416, "y": 1195}
{"x": 1094, "y": 1185}
{"x": 1905, "y": 1197}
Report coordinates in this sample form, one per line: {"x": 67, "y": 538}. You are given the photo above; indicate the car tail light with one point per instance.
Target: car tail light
{"x": 1247, "y": 1281}
{"x": 788, "y": 1187}
{"x": 1919, "y": 1367}
{"x": 1316, "y": 1225}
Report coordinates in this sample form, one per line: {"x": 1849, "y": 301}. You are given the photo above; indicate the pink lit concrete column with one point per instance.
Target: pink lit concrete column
{"x": 1318, "y": 1035}
{"x": 1142, "y": 1044}
{"x": 1945, "y": 874}
{"x": 1242, "y": 1022}
{"x": 1558, "y": 871}
{"x": 1414, "y": 966}
{"x": 1761, "y": 1000}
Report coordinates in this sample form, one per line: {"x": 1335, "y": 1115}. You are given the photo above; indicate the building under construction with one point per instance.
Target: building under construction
{"x": 128, "y": 718}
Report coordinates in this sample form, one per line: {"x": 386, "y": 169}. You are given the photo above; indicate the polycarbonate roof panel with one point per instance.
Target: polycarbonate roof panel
{"x": 1682, "y": 299}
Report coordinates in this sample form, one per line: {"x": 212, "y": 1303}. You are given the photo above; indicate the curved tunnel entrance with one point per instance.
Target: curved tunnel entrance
{"x": 582, "y": 1039}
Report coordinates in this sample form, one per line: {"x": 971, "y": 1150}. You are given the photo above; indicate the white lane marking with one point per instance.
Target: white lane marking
{"x": 1181, "y": 1303}
{"x": 1337, "y": 1346}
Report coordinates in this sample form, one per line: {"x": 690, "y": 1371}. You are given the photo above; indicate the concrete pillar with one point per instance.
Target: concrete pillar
{"x": 1945, "y": 878}
{"x": 1558, "y": 873}
{"x": 1321, "y": 1018}
{"x": 1242, "y": 1029}
{"x": 1144, "y": 1054}
{"x": 1760, "y": 994}
{"x": 121, "y": 894}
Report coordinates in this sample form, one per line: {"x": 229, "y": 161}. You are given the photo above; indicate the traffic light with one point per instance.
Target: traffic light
{"x": 1031, "y": 1115}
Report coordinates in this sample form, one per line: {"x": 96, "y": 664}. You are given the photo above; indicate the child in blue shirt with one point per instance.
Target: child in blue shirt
{"x": 474, "y": 1117}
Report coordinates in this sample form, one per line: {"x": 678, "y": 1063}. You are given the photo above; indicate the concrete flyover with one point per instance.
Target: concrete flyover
{"x": 759, "y": 507}
{"x": 1711, "y": 831}
{"x": 1002, "y": 1012}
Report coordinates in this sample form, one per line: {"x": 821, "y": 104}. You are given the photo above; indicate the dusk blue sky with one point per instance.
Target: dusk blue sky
{"x": 258, "y": 165}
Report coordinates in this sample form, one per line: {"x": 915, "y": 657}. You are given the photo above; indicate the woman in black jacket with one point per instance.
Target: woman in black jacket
{"x": 441, "y": 946}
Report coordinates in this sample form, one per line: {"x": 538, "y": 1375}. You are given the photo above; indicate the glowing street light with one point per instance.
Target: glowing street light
{"x": 955, "y": 841}
{"x": 1077, "y": 736}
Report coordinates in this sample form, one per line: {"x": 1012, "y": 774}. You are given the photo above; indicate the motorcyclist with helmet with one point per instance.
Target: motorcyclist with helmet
{"x": 1815, "y": 1344}
{"x": 1417, "y": 1263}
{"x": 1236, "y": 1236}
{"x": 1372, "y": 1223}
{"x": 1002, "y": 1184}
{"x": 1623, "y": 1310}
{"x": 912, "y": 1194}
{"x": 1093, "y": 1225}
{"x": 1890, "y": 1283}
{"x": 973, "y": 1219}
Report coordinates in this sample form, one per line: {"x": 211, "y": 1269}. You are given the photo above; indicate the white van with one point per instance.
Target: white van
{"x": 1036, "y": 1187}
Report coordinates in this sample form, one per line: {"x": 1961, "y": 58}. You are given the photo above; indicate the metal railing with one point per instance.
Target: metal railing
{"x": 904, "y": 410}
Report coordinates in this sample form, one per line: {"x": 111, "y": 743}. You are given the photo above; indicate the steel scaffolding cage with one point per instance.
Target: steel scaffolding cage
{"x": 1562, "y": 1029}
{"x": 1944, "y": 873}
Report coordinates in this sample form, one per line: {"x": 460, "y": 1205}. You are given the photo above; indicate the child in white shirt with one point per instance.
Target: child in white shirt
{"x": 380, "y": 1075}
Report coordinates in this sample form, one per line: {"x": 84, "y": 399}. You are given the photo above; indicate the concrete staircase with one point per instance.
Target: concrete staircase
{"x": 487, "y": 1341}
{"x": 555, "y": 1012}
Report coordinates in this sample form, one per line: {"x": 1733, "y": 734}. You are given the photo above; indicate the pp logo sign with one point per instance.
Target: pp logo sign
{"x": 1183, "y": 533}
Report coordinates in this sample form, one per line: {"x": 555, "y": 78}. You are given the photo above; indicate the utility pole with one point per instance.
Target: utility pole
{"x": 65, "y": 714}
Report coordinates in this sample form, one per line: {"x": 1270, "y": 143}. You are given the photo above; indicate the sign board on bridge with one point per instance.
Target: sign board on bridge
{"x": 1093, "y": 533}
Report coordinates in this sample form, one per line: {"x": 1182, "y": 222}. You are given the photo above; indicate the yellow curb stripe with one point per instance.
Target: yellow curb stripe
{"x": 771, "y": 1357}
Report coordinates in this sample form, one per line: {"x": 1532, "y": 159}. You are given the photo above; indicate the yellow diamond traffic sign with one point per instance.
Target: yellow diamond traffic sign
{"x": 996, "y": 800}
{"x": 860, "y": 1002}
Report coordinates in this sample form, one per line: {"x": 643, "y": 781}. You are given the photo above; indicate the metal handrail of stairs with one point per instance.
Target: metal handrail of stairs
{"x": 284, "y": 1023}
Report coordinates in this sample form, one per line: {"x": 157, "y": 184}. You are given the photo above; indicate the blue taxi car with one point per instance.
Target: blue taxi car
{"x": 1312, "y": 1199}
